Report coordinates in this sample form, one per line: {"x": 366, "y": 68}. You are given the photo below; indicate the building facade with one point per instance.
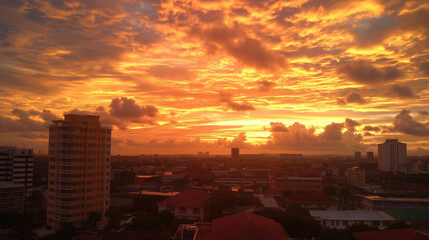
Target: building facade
{"x": 392, "y": 156}
{"x": 16, "y": 165}
{"x": 79, "y": 170}
{"x": 235, "y": 155}
{"x": 189, "y": 204}
{"x": 279, "y": 181}
{"x": 358, "y": 156}
{"x": 344, "y": 218}
{"x": 379, "y": 203}
{"x": 12, "y": 197}
{"x": 355, "y": 176}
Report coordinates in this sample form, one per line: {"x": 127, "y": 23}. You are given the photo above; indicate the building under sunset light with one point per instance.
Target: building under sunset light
{"x": 392, "y": 156}
{"x": 79, "y": 170}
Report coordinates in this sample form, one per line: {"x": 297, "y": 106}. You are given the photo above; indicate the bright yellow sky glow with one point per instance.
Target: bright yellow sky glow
{"x": 309, "y": 76}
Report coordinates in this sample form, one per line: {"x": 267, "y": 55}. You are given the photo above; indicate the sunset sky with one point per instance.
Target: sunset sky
{"x": 311, "y": 77}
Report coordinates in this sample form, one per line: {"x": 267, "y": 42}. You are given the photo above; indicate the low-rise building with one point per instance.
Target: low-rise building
{"x": 344, "y": 218}
{"x": 313, "y": 201}
{"x": 378, "y": 202}
{"x": 189, "y": 205}
{"x": 12, "y": 197}
{"x": 280, "y": 181}
{"x": 240, "y": 226}
{"x": 355, "y": 176}
{"x": 394, "y": 234}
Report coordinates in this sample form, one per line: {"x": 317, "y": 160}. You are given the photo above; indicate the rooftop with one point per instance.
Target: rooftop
{"x": 247, "y": 226}
{"x": 187, "y": 199}
{"x": 310, "y": 197}
{"x": 396, "y": 234}
{"x": 394, "y": 199}
{"x": 351, "y": 215}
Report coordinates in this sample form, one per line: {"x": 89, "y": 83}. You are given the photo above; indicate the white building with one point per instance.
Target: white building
{"x": 378, "y": 202}
{"x": 189, "y": 205}
{"x": 16, "y": 165}
{"x": 355, "y": 176}
{"x": 342, "y": 219}
{"x": 392, "y": 156}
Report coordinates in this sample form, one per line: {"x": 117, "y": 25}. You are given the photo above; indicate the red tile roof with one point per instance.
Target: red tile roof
{"x": 246, "y": 226}
{"x": 310, "y": 197}
{"x": 396, "y": 234}
{"x": 187, "y": 199}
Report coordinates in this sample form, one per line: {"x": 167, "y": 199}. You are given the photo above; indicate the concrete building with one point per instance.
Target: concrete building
{"x": 319, "y": 201}
{"x": 16, "y": 165}
{"x": 235, "y": 155}
{"x": 189, "y": 205}
{"x": 342, "y": 219}
{"x": 378, "y": 203}
{"x": 355, "y": 176}
{"x": 244, "y": 225}
{"x": 12, "y": 197}
{"x": 392, "y": 156}
{"x": 79, "y": 170}
{"x": 370, "y": 156}
{"x": 279, "y": 181}
{"x": 358, "y": 156}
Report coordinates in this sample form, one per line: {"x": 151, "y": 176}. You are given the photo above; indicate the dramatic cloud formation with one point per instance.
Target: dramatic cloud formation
{"x": 404, "y": 123}
{"x": 128, "y": 108}
{"x": 298, "y": 137}
{"x": 244, "y": 106}
{"x": 353, "y": 97}
{"x": 397, "y": 91}
{"x": 365, "y": 73}
{"x": 175, "y": 74}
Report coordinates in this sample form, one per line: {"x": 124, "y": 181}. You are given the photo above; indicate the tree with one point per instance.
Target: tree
{"x": 143, "y": 222}
{"x": 166, "y": 217}
{"x": 330, "y": 190}
{"x": 92, "y": 220}
{"x": 398, "y": 225}
{"x": 115, "y": 217}
{"x": 344, "y": 193}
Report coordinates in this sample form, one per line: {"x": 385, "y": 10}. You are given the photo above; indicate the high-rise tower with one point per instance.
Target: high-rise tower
{"x": 79, "y": 170}
{"x": 392, "y": 155}
{"x": 235, "y": 155}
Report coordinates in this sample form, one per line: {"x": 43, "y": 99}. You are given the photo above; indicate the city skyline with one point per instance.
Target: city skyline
{"x": 311, "y": 77}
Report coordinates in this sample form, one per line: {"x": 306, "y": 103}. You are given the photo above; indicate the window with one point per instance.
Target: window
{"x": 182, "y": 210}
{"x": 196, "y": 211}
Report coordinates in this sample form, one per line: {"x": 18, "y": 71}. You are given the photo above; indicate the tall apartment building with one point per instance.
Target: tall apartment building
{"x": 370, "y": 156}
{"x": 358, "y": 156}
{"x": 79, "y": 170}
{"x": 16, "y": 165}
{"x": 235, "y": 155}
{"x": 392, "y": 156}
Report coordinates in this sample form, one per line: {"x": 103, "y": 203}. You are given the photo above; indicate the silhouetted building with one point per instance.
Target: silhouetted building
{"x": 290, "y": 156}
{"x": 370, "y": 156}
{"x": 358, "y": 156}
{"x": 16, "y": 165}
{"x": 392, "y": 156}
{"x": 79, "y": 170}
{"x": 11, "y": 197}
{"x": 235, "y": 154}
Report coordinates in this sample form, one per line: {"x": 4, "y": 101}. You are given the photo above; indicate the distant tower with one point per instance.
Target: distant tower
{"x": 357, "y": 156}
{"x": 392, "y": 155}
{"x": 235, "y": 154}
{"x": 370, "y": 156}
